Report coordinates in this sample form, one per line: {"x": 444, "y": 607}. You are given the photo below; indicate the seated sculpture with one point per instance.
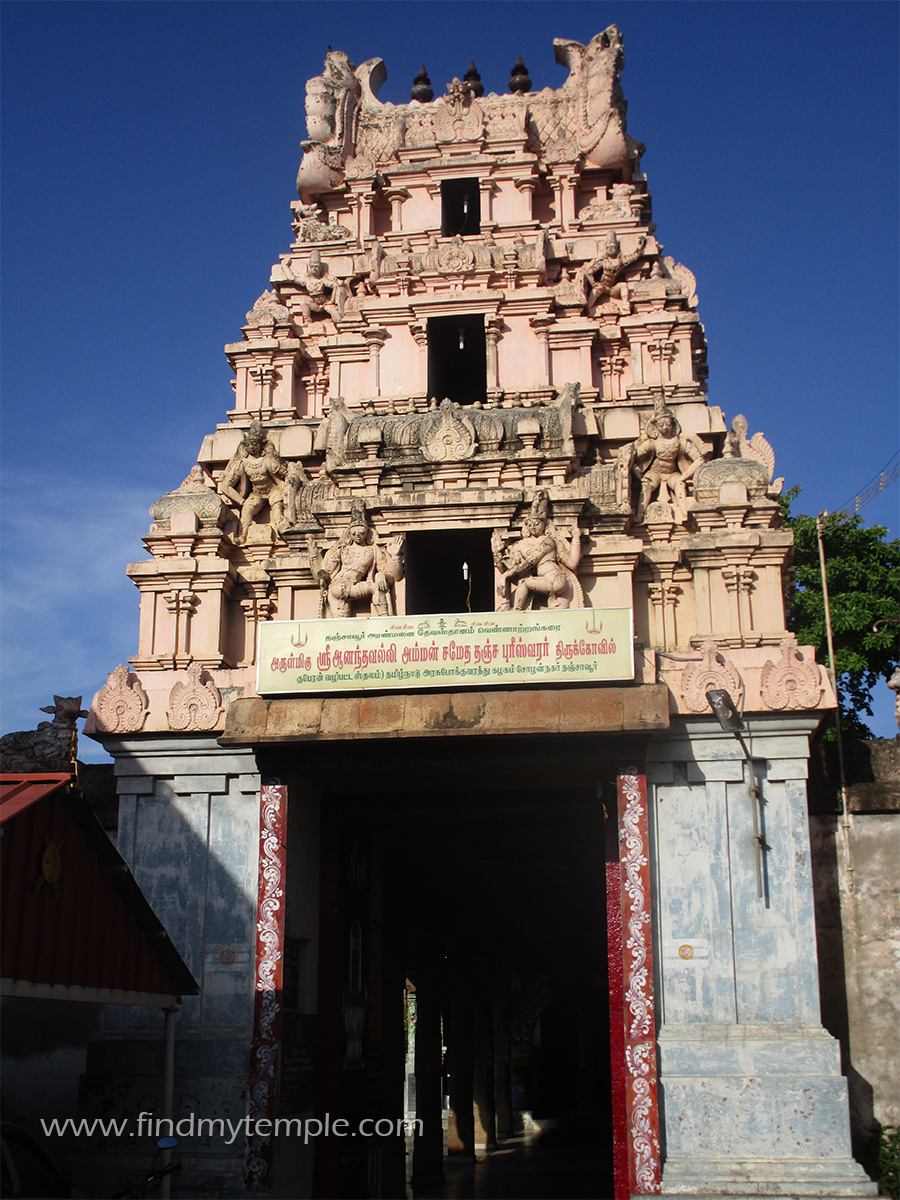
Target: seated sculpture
{"x": 541, "y": 563}
{"x": 357, "y": 568}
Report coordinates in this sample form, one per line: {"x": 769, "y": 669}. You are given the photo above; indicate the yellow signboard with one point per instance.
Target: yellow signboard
{"x": 574, "y": 645}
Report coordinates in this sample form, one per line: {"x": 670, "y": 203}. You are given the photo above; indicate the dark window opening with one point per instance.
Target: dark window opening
{"x": 457, "y": 359}
{"x": 460, "y": 207}
{"x": 449, "y": 571}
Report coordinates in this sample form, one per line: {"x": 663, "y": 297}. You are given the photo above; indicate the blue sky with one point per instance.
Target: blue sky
{"x": 149, "y": 157}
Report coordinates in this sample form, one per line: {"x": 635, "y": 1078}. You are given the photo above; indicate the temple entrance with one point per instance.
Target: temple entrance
{"x": 463, "y": 980}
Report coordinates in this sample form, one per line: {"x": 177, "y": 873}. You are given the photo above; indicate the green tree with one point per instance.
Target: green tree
{"x": 863, "y": 570}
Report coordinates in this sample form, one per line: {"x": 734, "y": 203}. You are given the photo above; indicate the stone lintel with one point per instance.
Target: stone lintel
{"x": 598, "y": 709}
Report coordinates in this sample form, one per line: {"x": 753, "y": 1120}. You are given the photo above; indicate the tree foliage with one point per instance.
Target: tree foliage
{"x": 863, "y": 571}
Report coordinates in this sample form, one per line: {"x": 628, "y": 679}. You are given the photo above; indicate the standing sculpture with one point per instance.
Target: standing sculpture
{"x": 541, "y": 563}
{"x": 357, "y": 568}
{"x": 664, "y": 459}
{"x": 253, "y": 479}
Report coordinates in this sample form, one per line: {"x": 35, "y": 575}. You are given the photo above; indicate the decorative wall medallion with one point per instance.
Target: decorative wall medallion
{"x": 792, "y": 682}
{"x": 268, "y": 977}
{"x": 122, "y": 703}
{"x": 712, "y": 671}
{"x": 448, "y": 436}
{"x": 194, "y": 705}
{"x": 456, "y": 258}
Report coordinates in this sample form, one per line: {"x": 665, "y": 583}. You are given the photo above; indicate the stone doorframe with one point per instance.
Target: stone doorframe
{"x": 635, "y": 1108}
{"x": 632, "y": 1000}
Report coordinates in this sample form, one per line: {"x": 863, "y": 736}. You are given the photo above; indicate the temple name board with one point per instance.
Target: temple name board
{"x": 575, "y": 645}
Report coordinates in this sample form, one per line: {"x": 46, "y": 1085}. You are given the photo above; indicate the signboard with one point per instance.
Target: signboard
{"x": 572, "y": 645}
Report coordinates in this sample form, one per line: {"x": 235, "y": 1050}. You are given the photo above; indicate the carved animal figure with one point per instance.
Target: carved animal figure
{"x": 52, "y": 746}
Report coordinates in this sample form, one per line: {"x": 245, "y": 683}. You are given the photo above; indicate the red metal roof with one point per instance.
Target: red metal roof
{"x": 73, "y": 916}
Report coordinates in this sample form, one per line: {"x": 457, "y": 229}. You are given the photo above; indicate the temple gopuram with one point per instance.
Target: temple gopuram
{"x": 464, "y": 749}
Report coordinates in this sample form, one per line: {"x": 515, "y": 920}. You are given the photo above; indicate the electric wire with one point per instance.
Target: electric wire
{"x": 888, "y": 473}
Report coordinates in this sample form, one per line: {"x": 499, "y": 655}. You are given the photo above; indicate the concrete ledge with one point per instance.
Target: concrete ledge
{"x": 598, "y": 709}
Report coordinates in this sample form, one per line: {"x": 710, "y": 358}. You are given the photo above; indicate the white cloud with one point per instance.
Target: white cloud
{"x": 70, "y": 613}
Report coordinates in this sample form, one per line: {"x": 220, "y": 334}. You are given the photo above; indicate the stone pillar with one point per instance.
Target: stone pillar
{"x": 751, "y": 1084}
{"x": 541, "y": 326}
{"x": 428, "y": 1146}
{"x": 484, "y": 1114}
{"x": 458, "y": 1033}
{"x": 189, "y": 820}
{"x": 375, "y": 339}
{"x": 502, "y": 1093}
{"x": 492, "y": 330}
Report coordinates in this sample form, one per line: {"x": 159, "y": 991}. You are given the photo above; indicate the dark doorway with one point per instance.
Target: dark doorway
{"x": 449, "y": 571}
{"x": 457, "y": 359}
{"x": 460, "y": 207}
{"x": 486, "y": 901}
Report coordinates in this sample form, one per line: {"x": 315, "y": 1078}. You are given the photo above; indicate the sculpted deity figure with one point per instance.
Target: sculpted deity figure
{"x": 331, "y": 434}
{"x": 601, "y": 274}
{"x": 542, "y": 561}
{"x": 664, "y": 459}
{"x": 253, "y": 479}
{"x": 323, "y": 295}
{"x": 357, "y": 568}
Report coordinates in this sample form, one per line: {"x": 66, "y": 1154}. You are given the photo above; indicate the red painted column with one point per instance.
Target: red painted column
{"x": 268, "y": 977}
{"x": 632, "y": 1007}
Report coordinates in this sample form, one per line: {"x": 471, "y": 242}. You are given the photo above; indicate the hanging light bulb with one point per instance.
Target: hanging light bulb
{"x": 462, "y": 339}
{"x": 465, "y": 570}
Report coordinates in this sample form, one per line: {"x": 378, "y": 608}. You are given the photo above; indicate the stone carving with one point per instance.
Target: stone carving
{"x": 308, "y": 226}
{"x": 194, "y": 495}
{"x": 792, "y": 682}
{"x": 601, "y": 273}
{"x": 594, "y": 72}
{"x": 616, "y": 208}
{"x": 194, "y": 705}
{"x": 323, "y": 295}
{"x": 737, "y": 445}
{"x": 686, "y": 278}
{"x": 254, "y": 479}
{"x": 343, "y": 434}
{"x": 455, "y": 258}
{"x": 750, "y": 477}
{"x": 664, "y": 459}
{"x": 332, "y": 117}
{"x": 268, "y": 310}
{"x": 357, "y": 568}
{"x": 52, "y": 746}
{"x": 460, "y": 118}
{"x": 712, "y": 671}
{"x": 542, "y": 561}
{"x": 122, "y": 703}
{"x": 447, "y": 435}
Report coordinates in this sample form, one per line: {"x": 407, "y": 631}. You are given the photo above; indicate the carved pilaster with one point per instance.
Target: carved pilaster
{"x": 738, "y": 578}
{"x": 664, "y": 595}
{"x": 257, "y": 606}
{"x": 375, "y": 339}
{"x": 181, "y": 603}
